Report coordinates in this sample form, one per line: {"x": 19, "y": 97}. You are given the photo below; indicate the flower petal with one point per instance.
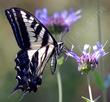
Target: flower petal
{"x": 42, "y": 15}
{"x": 73, "y": 55}
{"x": 97, "y": 46}
{"x": 99, "y": 51}
{"x": 64, "y": 14}
{"x": 72, "y": 17}
{"x": 86, "y": 47}
{"x": 56, "y": 15}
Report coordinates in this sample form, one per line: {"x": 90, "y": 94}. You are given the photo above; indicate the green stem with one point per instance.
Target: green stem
{"x": 101, "y": 64}
{"x": 89, "y": 89}
{"x": 59, "y": 85}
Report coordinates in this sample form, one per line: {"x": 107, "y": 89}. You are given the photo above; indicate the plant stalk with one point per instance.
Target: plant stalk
{"x": 59, "y": 85}
{"x": 89, "y": 89}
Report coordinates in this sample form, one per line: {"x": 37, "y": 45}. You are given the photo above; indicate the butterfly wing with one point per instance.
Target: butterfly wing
{"x": 29, "y": 73}
{"x": 28, "y": 30}
{"x": 37, "y": 46}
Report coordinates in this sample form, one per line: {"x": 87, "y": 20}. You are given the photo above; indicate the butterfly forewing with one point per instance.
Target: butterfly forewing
{"x": 28, "y": 31}
{"x": 30, "y": 78}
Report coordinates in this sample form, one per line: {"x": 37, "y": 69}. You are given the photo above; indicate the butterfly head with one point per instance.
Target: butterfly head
{"x": 59, "y": 47}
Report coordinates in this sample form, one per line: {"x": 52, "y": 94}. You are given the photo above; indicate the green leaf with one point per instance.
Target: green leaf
{"x": 86, "y": 99}
{"x": 99, "y": 81}
{"x": 60, "y": 60}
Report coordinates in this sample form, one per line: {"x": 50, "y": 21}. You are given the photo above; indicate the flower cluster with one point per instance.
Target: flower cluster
{"x": 88, "y": 61}
{"x": 60, "y": 21}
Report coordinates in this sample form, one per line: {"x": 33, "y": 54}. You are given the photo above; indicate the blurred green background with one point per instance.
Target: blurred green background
{"x": 86, "y": 30}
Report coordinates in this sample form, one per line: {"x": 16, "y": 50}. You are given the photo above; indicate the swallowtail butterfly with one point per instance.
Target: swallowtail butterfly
{"x": 37, "y": 47}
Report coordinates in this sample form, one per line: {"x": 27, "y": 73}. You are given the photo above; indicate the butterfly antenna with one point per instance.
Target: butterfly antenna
{"x": 66, "y": 56}
{"x": 67, "y": 51}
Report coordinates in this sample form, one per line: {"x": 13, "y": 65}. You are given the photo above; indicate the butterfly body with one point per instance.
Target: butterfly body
{"x": 37, "y": 47}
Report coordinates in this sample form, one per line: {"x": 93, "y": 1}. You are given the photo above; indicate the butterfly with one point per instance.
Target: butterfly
{"x": 37, "y": 47}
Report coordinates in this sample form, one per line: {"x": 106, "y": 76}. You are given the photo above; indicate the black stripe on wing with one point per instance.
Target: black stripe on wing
{"x": 19, "y": 29}
{"x": 40, "y": 59}
{"x": 28, "y": 31}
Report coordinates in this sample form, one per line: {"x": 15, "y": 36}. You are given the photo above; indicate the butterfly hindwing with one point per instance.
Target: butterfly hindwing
{"x": 28, "y": 31}
{"x": 30, "y": 67}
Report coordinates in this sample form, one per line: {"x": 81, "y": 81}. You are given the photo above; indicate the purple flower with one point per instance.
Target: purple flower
{"x": 42, "y": 15}
{"x": 88, "y": 61}
{"x": 59, "y": 21}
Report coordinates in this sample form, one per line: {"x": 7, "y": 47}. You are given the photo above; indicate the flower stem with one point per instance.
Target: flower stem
{"x": 101, "y": 64}
{"x": 59, "y": 85}
{"x": 89, "y": 89}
